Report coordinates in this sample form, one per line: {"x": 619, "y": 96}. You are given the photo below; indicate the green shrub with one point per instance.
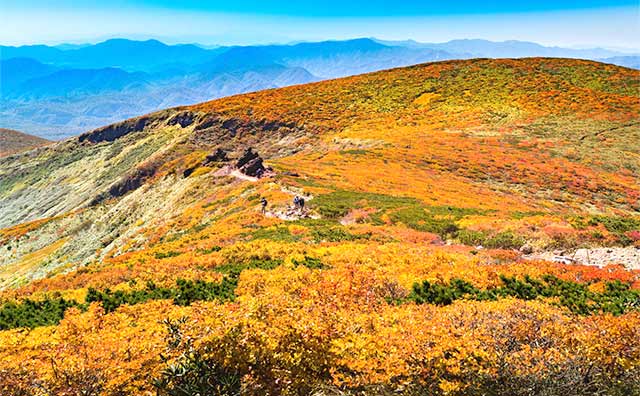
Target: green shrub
{"x": 617, "y": 298}
{"x": 185, "y": 292}
{"x": 336, "y": 233}
{"x": 275, "y": 233}
{"x": 409, "y": 211}
{"x": 210, "y": 250}
{"x": 50, "y": 311}
{"x": 233, "y": 270}
{"x": 198, "y": 290}
{"x": 618, "y": 226}
{"x": 504, "y": 240}
{"x": 195, "y": 375}
{"x": 471, "y": 238}
{"x": 338, "y": 203}
{"x": 501, "y": 240}
{"x": 163, "y": 255}
{"x": 30, "y": 313}
{"x": 353, "y": 152}
{"x": 428, "y": 220}
{"x": 310, "y": 262}
{"x": 112, "y": 300}
{"x": 440, "y": 294}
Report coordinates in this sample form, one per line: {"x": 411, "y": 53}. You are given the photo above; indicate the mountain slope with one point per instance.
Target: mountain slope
{"x": 80, "y": 89}
{"x": 405, "y": 172}
{"x": 12, "y": 142}
{"x": 74, "y": 82}
{"x": 65, "y": 102}
{"x": 523, "y": 139}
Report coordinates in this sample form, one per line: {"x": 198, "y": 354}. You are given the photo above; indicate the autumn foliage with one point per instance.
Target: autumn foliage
{"x": 422, "y": 183}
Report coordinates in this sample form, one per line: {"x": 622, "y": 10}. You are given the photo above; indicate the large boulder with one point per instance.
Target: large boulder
{"x": 251, "y": 164}
{"x": 218, "y": 156}
{"x": 253, "y": 168}
{"x": 248, "y": 156}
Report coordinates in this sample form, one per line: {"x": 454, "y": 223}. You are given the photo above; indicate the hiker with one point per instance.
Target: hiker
{"x": 301, "y": 204}
{"x": 296, "y": 202}
{"x": 263, "y": 202}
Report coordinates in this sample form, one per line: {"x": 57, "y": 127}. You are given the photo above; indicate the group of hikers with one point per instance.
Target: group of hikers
{"x": 298, "y": 204}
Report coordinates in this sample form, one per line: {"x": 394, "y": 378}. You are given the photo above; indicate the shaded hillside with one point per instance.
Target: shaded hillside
{"x": 403, "y": 274}
{"x": 12, "y": 142}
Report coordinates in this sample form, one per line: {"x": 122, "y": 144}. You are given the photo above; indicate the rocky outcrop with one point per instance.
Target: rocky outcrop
{"x": 218, "y": 156}
{"x": 129, "y": 182}
{"x": 184, "y": 119}
{"x": 213, "y": 130}
{"x": 629, "y": 257}
{"x": 248, "y": 156}
{"x": 251, "y": 164}
{"x": 132, "y": 181}
{"x": 115, "y": 131}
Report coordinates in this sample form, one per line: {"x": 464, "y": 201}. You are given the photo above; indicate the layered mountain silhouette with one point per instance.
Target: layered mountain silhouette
{"x": 59, "y": 91}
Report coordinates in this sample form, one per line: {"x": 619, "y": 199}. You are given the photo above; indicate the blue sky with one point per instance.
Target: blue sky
{"x": 609, "y": 23}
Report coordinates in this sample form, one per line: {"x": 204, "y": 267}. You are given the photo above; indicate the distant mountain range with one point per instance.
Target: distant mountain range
{"x": 507, "y": 49}
{"x": 59, "y": 91}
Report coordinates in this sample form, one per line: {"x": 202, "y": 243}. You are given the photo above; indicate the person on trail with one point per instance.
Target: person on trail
{"x": 263, "y": 202}
{"x": 296, "y": 202}
{"x": 301, "y": 204}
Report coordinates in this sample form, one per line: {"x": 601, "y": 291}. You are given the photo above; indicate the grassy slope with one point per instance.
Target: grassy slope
{"x": 12, "y": 142}
{"x": 498, "y": 138}
{"x": 493, "y": 152}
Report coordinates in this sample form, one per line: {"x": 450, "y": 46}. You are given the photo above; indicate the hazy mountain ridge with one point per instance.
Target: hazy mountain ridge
{"x": 56, "y": 92}
{"x": 632, "y": 61}
{"x": 477, "y": 48}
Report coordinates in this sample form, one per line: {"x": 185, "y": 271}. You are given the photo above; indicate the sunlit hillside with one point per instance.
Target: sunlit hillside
{"x": 12, "y": 142}
{"x": 137, "y": 258}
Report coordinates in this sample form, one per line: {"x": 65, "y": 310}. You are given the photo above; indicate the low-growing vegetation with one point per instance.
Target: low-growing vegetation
{"x": 181, "y": 285}
{"x": 30, "y": 313}
{"x": 616, "y": 298}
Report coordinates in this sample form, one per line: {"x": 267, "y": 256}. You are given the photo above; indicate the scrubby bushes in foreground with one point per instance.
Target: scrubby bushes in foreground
{"x": 50, "y": 311}
{"x": 506, "y": 347}
{"x": 616, "y": 298}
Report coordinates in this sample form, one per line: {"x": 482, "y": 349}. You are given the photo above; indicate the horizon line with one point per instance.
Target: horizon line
{"x": 175, "y": 41}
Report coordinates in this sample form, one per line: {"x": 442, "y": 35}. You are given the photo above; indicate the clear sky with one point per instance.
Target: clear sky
{"x": 608, "y": 23}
